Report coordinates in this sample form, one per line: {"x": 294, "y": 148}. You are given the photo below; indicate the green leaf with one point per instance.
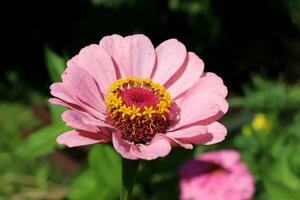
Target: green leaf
{"x": 56, "y": 112}
{"x": 106, "y": 165}
{"x": 281, "y": 172}
{"x": 85, "y": 186}
{"x": 41, "y": 142}
{"x": 102, "y": 180}
{"x": 55, "y": 64}
{"x": 279, "y": 191}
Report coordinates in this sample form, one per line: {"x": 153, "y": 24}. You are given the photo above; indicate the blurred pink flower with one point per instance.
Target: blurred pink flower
{"x": 218, "y": 175}
{"x": 144, "y": 100}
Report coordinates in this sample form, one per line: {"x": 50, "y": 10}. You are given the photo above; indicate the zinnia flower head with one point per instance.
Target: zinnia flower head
{"x": 144, "y": 100}
{"x": 216, "y": 175}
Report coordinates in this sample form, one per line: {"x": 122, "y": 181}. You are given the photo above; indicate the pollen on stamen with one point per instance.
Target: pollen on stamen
{"x": 139, "y": 108}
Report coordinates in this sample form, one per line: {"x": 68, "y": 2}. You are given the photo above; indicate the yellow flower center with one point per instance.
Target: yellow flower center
{"x": 138, "y": 107}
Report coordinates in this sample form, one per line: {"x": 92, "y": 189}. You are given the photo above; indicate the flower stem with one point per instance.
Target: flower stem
{"x": 129, "y": 169}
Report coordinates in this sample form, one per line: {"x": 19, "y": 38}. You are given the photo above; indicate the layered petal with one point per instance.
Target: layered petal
{"x": 82, "y": 121}
{"x": 218, "y": 131}
{"x": 65, "y": 97}
{"x": 159, "y": 147}
{"x": 171, "y": 55}
{"x": 84, "y": 89}
{"x": 56, "y": 101}
{"x": 134, "y": 55}
{"x": 113, "y": 44}
{"x": 141, "y": 55}
{"x": 198, "y": 134}
{"x": 188, "y": 74}
{"x": 176, "y": 142}
{"x": 202, "y": 103}
{"x": 225, "y": 158}
{"x": 121, "y": 146}
{"x": 188, "y": 132}
{"x": 60, "y": 91}
{"x": 221, "y": 172}
{"x": 212, "y": 82}
{"x": 76, "y": 138}
{"x": 97, "y": 62}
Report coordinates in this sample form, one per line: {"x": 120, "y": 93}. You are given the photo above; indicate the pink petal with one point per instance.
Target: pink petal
{"x": 121, "y": 146}
{"x": 141, "y": 55}
{"x": 198, "y": 139}
{"x": 176, "y": 142}
{"x": 65, "y": 96}
{"x": 159, "y": 147}
{"x": 97, "y": 62}
{"x": 212, "y": 82}
{"x": 186, "y": 76}
{"x": 83, "y": 87}
{"x": 82, "y": 121}
{"x": 170, "y": 56}
{"x": 118, "y": 50}
{"x": 203, "y": 102}
{"x": 216, "y": 132}
{"x": 60, "y": 91}
{"x": 134, "y": 54}
{"x": 76, "y": 138}
{"x": 56, "y": 101}
{"x": 187, "y": 132}
{"x": 226, "y": 158}
{"x": 201, "y": 106}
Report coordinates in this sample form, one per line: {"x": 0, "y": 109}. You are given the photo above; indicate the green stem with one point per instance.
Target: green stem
{"x": 129, "y": 169}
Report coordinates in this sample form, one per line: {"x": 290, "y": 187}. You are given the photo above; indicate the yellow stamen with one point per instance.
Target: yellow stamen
{"x": 116, "y": 106}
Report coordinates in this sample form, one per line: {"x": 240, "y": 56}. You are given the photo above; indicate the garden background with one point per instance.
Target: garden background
{"x": 253, "y": 45}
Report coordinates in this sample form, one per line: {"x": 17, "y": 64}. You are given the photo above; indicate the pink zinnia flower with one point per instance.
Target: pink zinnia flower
{"x": 143, "y": 100}
{"x": 216, "y": 175}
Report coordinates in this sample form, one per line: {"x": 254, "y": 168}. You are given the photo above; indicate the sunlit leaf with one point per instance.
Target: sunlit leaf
{"x": 41, "y": 142}
{"x": 279, "y": 191}
{"x": 85, "y": 186}
{"x": 55, "y": 64}
{"x": 56, "y": 112}
{"x": 106, "y": 165}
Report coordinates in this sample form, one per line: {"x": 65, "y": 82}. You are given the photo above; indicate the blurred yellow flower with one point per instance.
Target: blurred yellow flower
{"x": 260, "y": 122}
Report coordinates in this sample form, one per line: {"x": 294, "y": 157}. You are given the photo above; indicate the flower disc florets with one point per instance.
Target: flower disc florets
{"x": 139, "y": 108}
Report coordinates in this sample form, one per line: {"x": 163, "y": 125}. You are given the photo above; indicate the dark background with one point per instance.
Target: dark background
{"x": 234, "y": 38}
{"x": 254, "y": 45}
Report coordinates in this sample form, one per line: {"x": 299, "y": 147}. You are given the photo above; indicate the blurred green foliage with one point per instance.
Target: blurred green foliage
{"x": 235, "y": 39}
{"x": 271, "y": 153}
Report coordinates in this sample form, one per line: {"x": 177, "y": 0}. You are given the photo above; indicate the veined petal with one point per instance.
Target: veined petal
{"x": 201, "y": 106}
{"x": 83, "y": 87}
{"x": 134, "y": 54}
{"x": 82, "y": 121}
{"x": 188, "y": 74}
{"x": 60, "y": 91}
{"x": 211, "y": 82}
{"x": 113, "y": 44}
{"x": 97, "y": 62}
{"x": 76, "y": 138}
{"x": 121, "y": 146}
{"x": 187, "y": 132}
{"x": 159, "y": 147}
{"x": 170, "y": 56}
{"x": 98, "y": 115}
{"x": 216, "y": 132}
{"x": 141, "y": 55}
{"x": 201, "y": 103}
